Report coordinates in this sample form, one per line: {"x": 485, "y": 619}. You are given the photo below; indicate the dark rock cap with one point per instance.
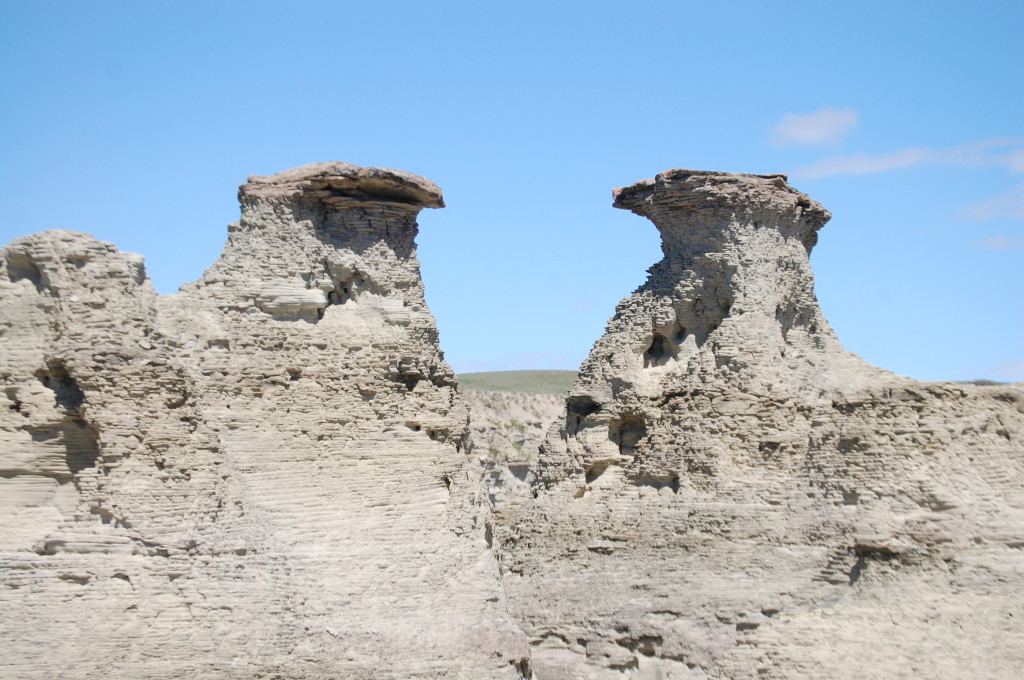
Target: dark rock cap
{"x": 705, "y": 189}
{"x": 343, "y": 181}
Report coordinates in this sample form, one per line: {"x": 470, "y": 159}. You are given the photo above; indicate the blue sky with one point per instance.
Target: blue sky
{"x": 136, "y": 121}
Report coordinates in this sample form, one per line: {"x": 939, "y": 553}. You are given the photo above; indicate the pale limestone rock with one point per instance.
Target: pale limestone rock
{"x": 732, "y": 495}
{"x": 260, "y": 476}
{"x": 268, "y": 473}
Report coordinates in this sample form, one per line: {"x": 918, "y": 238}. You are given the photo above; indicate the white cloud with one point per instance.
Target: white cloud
{"x": 1008, "y": 204}
{"x": 1006, "y": 152}
{"x": 864, "y": 164}
{"x": 1015, "y": 161}
{"x": 999, "y": 242}
{"x": 820, "y": 128}
{"x": 1008, "y": 371}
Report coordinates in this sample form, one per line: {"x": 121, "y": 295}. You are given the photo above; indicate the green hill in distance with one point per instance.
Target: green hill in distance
{"x": 530, "y": 382}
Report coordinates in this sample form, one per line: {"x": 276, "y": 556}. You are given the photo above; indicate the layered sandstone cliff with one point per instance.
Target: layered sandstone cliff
{"x": 268, "y": 474}
{"x": 730, "y": 494}
{"x": 260, "y": 476}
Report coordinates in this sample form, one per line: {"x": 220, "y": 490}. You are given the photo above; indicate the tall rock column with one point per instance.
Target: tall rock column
{"x": 259, "y": 476}
{"x": 732, "y": 495}
{"x": 729, "y": 311}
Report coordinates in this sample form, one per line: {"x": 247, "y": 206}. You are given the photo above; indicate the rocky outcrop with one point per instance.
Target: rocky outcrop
{"x": 263, "y": 475}
{"x": 269, "y": 474}
{"x": 730, "y": 494}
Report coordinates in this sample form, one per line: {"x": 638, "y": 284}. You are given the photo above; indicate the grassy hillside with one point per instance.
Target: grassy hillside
{"x": 531, "y": 382}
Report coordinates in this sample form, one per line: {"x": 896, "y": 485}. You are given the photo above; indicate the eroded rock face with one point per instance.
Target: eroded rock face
{"x": 267, "y": 474}
{"x": 506, "y": 430}
{"x": 260, "y": 476}
{"x": 730, "y": 494}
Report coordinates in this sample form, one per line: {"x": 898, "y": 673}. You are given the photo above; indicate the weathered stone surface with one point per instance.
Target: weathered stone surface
{"x": 260, "y": 476}
{"x": 268, "y": 474}
{"x": 506, "y": 430}
{"x": 730, "y": 494}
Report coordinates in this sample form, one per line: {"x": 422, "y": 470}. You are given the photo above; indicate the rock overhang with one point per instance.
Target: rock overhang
{"x": 682, "y": 190}
{"x": 336, "y": 181}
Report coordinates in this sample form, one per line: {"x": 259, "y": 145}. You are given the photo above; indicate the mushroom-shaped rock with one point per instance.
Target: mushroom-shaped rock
{"x": 261, "y": 475}
{"x": 321, "y": 236}
{"x": 338, "y": 181}
{"x": 691, "y": 207}
{"x": 730, "y": 492}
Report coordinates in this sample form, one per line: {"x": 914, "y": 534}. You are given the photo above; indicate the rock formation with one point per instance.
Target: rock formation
{"x": 730, "y": 494}
{"x": 267, "y": 474}
{"x": 261, "y": 476}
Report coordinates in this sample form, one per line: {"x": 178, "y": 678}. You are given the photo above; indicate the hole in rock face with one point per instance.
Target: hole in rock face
{"x": 711, "y": 311}
{"x": 81, "y": 444}
{"x": 80, "y": 440}
{"x": 669, "y": 481}
{"x": 627, "y": 433}
{"x": 66, "y": 392}
{"x": 664, "y": 346}
{"x": 339, "y": 296}
{"x": 595, "y": 471}
{"x": 12, "y": 396}
{"x": 658, "y": 353}
{"x": 21, "y": 267}
{"x": 520, "y": 472}
{"x": 577, "y": 408}
{"x": 582, "y": 406}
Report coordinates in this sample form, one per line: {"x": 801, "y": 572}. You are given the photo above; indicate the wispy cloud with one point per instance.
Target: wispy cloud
{"x": 999, "y": 242}
{"x": 864, "y": 164}
{"x": 1010, "y": 371}
{"x": 823, "y": 127}
{"x": 1007, "y": 152}
{"x": 1008, "y": 204}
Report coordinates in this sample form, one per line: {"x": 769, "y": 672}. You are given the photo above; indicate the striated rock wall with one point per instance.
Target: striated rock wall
{"x": 730, "y": 494}
{"x": 260, "y": 476}
{"x": 270, "y": 474}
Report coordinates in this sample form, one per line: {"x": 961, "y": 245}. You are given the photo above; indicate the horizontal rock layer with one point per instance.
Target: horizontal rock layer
{"x": 270, "y": 474}
{"x": 730, "y": 494}
{"x": 263, "y": 475}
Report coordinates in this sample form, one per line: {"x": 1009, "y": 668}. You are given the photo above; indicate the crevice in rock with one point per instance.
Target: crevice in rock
{"x": 522, "y": 666}
{"x": 21, "y": 266}
{"x": 658, "y": 482}
{"x": 79, "y": 439}
{"x": 648, "y": 645}
{"x": 627, "y": 433}
{"x": 712, "y": 310}
{"x": 660, "y": 351}
{"x": 12, "y": 396}
{"x": 595, "y": 471}
{"x": 520, "y": 471}
{"x": 866, "y": 554}
{"x": 579, "y": 407}
{"x": 66, "y": 392}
